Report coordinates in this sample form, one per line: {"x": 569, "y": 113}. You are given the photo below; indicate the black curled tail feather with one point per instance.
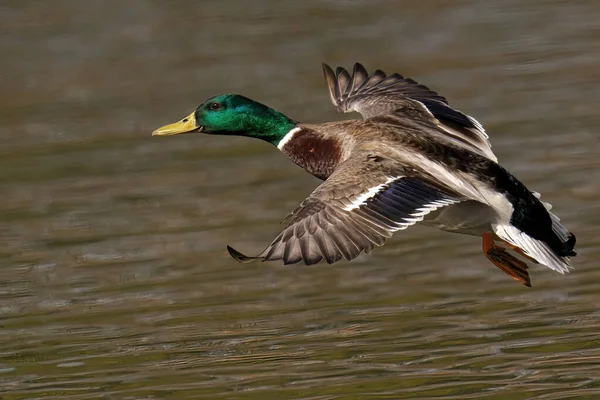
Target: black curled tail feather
{"x": 562, "y": 248}
{"x": 570, "y": 245}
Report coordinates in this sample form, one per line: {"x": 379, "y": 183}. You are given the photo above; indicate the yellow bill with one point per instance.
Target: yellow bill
{"x": 186, "y": 125}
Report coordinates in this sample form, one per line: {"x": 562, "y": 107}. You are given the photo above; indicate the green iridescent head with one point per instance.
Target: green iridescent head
{"x": 233, "y": 114}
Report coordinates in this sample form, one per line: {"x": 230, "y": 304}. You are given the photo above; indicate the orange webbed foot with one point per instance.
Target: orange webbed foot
{"x": 502, "y": 259}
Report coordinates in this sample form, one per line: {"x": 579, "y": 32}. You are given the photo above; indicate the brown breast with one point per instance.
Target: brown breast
{"x": 317, "y": 154}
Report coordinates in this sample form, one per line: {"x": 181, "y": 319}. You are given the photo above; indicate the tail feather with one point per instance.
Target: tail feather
{"x": 536, "y": 249}
{"x": 567, "y": 238}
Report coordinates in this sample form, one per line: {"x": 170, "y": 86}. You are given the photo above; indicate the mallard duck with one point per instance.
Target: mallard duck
{"x": 412, "y": 158}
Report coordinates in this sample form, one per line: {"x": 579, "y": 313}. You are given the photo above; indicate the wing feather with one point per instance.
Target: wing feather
{"x": 381, "y": 94}
{"x": 341, "y": 219}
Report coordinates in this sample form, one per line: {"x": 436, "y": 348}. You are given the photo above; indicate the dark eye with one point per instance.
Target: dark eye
{"x": 214, "y": 106}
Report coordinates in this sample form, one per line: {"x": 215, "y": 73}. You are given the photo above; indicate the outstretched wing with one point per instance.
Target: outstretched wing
{"x": 341, "y": 217}
{"x": 380, "y": 94}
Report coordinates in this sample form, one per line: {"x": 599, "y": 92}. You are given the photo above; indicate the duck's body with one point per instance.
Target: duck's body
{"x": 412, "y": 159}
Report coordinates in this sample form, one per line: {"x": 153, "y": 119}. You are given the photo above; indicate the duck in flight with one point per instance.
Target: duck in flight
{"x": 412, "y": 158}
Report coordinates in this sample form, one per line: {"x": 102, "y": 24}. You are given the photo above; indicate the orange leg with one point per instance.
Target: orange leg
{"x": 509, "y": 264}
{"x": 518, "y": 250}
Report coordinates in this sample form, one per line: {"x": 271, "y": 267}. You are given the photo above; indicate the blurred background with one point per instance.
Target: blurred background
{"x": 114, "y": 278}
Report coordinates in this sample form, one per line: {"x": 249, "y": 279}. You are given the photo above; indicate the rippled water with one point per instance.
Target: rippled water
{"x": 114, "y": 279}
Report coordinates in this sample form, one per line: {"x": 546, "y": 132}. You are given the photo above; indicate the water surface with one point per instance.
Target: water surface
{"x": 114, "y": 278}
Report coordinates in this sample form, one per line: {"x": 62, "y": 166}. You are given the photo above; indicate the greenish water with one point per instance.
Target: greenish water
{"x": 114, "y": 278}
